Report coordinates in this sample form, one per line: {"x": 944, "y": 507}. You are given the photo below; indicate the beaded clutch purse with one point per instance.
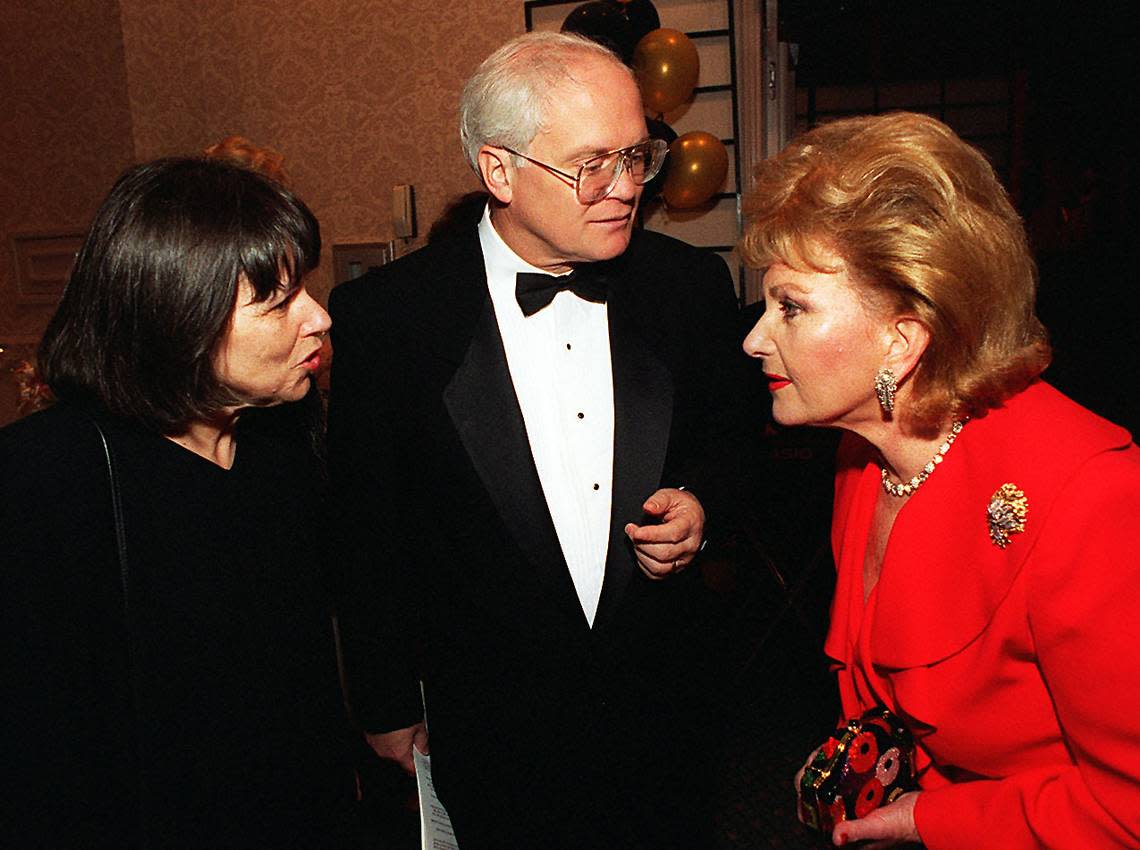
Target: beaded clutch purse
{"x": 863, "y": 765}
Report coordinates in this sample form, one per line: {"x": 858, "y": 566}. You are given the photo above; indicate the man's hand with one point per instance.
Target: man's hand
{"x": 889, "y": 826}
{"x": 397, "y": 745}
{"x": 671, "y": 544}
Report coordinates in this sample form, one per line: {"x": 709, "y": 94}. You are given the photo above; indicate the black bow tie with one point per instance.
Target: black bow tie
{"x": 535, "y": 290}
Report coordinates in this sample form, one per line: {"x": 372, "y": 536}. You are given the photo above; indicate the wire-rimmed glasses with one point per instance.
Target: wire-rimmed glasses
{"x": 598, "y": 175}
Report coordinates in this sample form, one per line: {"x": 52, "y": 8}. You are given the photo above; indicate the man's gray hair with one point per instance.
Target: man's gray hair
{"x": 504, "y": 103}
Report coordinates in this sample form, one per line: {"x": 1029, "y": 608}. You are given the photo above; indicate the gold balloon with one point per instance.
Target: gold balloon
{"x": 667, "y": 66}
{"x": 698, "y": 164}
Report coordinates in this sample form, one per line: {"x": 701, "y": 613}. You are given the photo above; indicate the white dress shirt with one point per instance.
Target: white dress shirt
{"x": 559, "y": 360}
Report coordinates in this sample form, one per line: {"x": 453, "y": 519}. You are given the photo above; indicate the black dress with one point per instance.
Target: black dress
{"x": 222, "y": 725}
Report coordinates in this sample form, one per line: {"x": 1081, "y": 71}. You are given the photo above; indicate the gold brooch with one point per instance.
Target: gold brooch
{"x": 1006, "y": 514}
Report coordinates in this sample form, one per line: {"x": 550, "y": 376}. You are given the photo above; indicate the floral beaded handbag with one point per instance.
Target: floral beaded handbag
{"x": 863, "y": 765}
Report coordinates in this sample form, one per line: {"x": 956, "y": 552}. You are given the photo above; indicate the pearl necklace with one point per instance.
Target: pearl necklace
{"x": 906, "y": 488}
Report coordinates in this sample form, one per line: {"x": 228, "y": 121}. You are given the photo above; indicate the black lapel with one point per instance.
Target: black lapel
{"x": 643, "y": 410}
{"x": 481, "y": 401}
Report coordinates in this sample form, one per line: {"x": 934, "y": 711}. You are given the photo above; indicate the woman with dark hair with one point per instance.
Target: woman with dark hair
{"x": 986, "y": 529}
{"x": 169, "y": 668}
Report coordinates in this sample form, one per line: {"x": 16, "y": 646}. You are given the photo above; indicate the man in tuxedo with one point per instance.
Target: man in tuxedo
{"x": 530, "y": 421}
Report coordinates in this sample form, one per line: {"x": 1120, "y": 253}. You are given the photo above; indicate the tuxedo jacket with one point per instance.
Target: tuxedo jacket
{"x": 452, "y": 570}
{"x": 1017, "y": 668}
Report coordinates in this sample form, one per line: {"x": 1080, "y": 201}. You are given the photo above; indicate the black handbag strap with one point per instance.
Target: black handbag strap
{"x": 120, "y": 527}
{"x": 132, "y": 668}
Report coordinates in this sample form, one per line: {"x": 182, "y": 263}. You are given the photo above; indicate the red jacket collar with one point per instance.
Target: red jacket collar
{"x": 943, "y": 577}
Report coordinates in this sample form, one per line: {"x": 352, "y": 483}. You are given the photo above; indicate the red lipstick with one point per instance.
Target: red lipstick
{"x": 776, "y": 382}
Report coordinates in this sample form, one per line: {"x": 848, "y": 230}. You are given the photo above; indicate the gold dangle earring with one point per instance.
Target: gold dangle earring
{"x": 886, "y": 385}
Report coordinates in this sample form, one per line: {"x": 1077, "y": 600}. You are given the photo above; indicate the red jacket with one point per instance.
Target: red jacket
{"x": 1018, "y": 669}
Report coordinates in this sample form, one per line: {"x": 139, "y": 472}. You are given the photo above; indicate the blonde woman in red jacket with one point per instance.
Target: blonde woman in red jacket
{"x": 986, "y": 528}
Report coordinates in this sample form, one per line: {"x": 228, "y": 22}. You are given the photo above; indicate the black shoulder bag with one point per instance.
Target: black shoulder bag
{"x": 132, "y": 669}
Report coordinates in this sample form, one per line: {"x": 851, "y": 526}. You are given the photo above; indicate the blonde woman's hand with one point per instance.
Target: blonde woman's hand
{"x": 889, "y": 826}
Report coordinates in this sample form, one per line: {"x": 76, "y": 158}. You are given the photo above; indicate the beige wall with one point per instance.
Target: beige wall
{"x": 358, "y": 95}
{"x": 65, "y": 129}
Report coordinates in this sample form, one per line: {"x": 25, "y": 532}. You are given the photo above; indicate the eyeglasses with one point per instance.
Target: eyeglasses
{"x": 598, "y": 175}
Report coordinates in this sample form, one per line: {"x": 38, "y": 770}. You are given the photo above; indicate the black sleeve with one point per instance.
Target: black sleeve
{"x": 371, "y": 546}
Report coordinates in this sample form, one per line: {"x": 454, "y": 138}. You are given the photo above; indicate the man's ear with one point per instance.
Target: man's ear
{"x": 496, "y": 170}
{"x": 908, "y": 338}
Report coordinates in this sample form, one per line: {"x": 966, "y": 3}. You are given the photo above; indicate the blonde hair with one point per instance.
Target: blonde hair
{"x": 923, "y": 225}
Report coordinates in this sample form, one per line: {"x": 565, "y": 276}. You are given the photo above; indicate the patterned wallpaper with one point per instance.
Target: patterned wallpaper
{"x": 358, "y": 95}
{"x": 65, "y": 128}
